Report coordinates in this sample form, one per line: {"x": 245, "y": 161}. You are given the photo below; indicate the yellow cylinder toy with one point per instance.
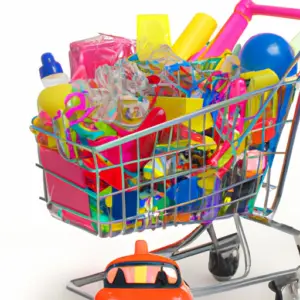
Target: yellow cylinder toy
{"x": 153, "y": 31}
{"x": 195, "y": 36}
{"x": 52, "y": 99}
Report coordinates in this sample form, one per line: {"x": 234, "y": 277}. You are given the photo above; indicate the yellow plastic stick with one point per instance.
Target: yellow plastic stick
{"x": 152, "y": 32}
{"x": 195, "y": 36}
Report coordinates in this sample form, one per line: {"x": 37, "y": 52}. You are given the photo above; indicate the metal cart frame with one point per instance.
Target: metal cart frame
{"x": 277, "y": 281}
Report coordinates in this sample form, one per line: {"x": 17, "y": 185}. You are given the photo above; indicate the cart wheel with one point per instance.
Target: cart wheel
{"x": 274, "y": 288}
{"x": 289, "y": 291}
{"x": 224, "y": 263}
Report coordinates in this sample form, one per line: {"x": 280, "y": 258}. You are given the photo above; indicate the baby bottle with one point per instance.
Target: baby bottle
{"x": 51, "y": 72}
{"x": 56, "y": 86}
{"x": 52, "y": 98}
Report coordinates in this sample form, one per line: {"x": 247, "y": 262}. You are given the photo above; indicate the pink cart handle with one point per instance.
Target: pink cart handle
{"x": 273, "y": 11}
{"x": 238, "y": 22}
{"x": 80, "y": 107}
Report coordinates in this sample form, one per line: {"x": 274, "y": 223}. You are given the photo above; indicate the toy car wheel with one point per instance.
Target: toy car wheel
{"x": 224, "y": 263}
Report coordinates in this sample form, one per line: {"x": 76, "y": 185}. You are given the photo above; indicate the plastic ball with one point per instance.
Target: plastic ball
{"x": 267, "y": 51}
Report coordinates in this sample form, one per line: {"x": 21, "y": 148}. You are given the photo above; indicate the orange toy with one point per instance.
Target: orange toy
{"x": 143, "y": 276}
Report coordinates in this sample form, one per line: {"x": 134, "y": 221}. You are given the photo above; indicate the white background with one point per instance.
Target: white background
{"x": 38, "y": 255}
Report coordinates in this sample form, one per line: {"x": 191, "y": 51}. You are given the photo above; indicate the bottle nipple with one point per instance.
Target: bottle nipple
{"x": 49, "y": 65}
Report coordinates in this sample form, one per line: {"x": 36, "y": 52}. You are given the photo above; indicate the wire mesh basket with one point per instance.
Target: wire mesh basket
{"x": 195, "y": 168}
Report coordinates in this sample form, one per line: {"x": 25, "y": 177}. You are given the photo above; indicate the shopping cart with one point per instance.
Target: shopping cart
{"x": 190, "y": 181}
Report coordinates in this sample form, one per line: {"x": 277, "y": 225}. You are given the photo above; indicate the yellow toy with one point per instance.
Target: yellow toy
{"x": 195, "y": 36}
{"x": 259, "y": 80}
{"x": 156, "y": 169}
{"x": 176, "y": 107}
{"x": 43, "y": 139}
{"x": 52, "y": 99}
{"x": 153, "y": 31}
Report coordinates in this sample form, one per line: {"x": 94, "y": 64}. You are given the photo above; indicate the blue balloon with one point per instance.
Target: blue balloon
{"x": 267, "y": 51}
{"x": 270, "y": 51}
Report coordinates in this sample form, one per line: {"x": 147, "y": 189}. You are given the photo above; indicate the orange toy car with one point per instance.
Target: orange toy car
{"x": 143, "y": 276}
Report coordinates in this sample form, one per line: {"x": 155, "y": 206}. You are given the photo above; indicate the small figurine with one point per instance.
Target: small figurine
{"x": 143, "y": 276}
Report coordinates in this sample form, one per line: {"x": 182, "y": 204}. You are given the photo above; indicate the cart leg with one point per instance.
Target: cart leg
{"x": 174, "y": 251}
{"x": 75, "y": 285}
{"x": 284, "y": 276}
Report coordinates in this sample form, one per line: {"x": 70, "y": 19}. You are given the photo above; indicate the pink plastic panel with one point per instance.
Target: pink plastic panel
{"x": 97, "y": 51}
{"x": 60, "y": 192}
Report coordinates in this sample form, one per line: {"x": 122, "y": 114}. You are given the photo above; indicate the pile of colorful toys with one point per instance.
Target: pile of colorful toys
{"x": 120, "y": 88}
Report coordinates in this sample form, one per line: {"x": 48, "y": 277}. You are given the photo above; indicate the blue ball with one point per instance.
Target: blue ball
{"x": 270, "y": 51}
{"x": 267, "y": 51}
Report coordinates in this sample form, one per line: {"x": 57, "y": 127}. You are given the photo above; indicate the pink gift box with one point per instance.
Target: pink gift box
{"x": 100, "y": 50}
